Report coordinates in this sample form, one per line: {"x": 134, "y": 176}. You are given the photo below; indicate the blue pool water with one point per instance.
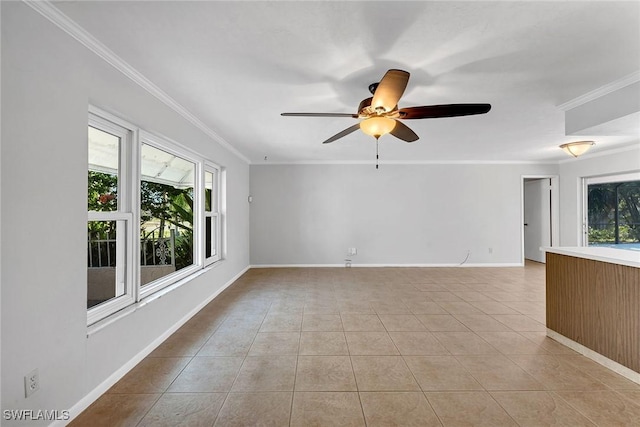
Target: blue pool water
{"x": 627, "y": 246}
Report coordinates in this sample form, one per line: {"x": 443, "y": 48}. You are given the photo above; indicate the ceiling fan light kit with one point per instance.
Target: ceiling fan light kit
{"x": 380, "y": 114}
{"x": 377, "y": 126}
{"x": 577, "y": 148}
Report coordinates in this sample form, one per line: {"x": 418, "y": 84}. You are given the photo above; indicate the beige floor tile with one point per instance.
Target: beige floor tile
{"x": 496, "y": 372}
{"x": 321, "y": 307}
{"x": 481, "y": 322}
{"x": 441, "y": 296}
{"x": 549, "y": 345}
{"x": 459, "y": 307}
{"x": 323, "y": 343}
{"x": 464, "y": 343}
{"x": 270, "y": 343}
{"x": 266, "y": 373}
{"x": 184, "y": 410}
{"x": 468, "y": 409}
{"x": 244, "y": 321}
{"x": 116, "y": 410}
{"x": 322, "y": 322}
{"x": 417, "y": 343}
{"x": 424, "y": 307}
{"x": 599, "y": 372}
{"x": 440, "y": 373}
{"x": 632, "y": 395}
{"x": 383, "y": 373}
{"x": 325, "y": 373}
{"x": 255, "y": 409}
{"x": 181, "y": 344}
{"x": 228, "y": 343}
{"x": 605, "y": 408}
{"x": 326, "y": 409}
{"x": 539, "y": 408}
{"x": 362, "y": 322}
{"x": 472, "y": 296}
{"x": 370, "y": 343}
{"x": 442, "y": 323}
{"x": 493, "y": 307}
{"x": 555, "y": 375}
{"x": 207, "y": 375}
{"x": 286, "y": 306}
{"x": 151, "y": 375}
{"x": 280, "y": 322}
{"x": 390, "y": 409}
{"x": 389, "y": 306}
{"x": 512, "y": 343}
{"x": 401, "y": 322}
{"x": 520, "y": 322}
{"x": 355, "y": 307}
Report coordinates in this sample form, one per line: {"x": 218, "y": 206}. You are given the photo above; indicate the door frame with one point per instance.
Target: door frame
{"x": 555, "y": 210}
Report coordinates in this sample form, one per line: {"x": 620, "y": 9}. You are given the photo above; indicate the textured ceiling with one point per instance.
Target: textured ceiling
{"x": 238, "y": 65}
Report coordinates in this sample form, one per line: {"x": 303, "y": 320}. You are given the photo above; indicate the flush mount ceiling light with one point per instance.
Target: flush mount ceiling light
{"x": 577, "y": 148}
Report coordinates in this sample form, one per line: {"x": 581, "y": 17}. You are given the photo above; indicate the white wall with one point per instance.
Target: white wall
{"x": 48, "y": 81}
{"x": 398, "y": 214}
{"x": 571, "y": 173}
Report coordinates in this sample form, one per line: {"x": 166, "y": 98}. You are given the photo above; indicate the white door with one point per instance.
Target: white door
{"x": 537, "y": 218}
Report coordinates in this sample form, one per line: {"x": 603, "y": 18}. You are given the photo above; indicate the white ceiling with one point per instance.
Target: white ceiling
{"x": 237, "y": 65}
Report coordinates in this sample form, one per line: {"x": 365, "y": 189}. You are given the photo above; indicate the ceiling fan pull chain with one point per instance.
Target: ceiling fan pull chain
{"x": 377, "y": 139}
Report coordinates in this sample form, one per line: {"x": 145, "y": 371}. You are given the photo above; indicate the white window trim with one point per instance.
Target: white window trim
{"x": 600, "y": 179}
{"x": 129, "y": 212}
{"x": 215, "y": 212}
{"x": 124, "y": 244}
{"x": 176, "y": 149}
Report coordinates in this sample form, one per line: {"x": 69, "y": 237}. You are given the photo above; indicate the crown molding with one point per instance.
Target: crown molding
{"x": 601, "y": 91}
{"x": 407, "y": 162}
{"x": 69, "y": 26}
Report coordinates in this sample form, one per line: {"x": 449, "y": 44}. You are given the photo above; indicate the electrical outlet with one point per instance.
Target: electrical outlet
{"x": 490, "y": 250}
{"x": 31, "y": 383}
{"x": 352, "y": 251}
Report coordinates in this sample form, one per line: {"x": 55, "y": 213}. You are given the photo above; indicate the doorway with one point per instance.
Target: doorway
{"x": 539, "y": 216}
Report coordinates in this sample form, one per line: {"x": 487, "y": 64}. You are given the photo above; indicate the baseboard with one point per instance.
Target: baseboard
{"x": 595, "y": 356}
{"x": 507, "y": 264}
{"x": 94, "y": 394}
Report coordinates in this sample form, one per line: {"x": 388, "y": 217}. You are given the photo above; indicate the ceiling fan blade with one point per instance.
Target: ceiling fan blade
{"x": 345, "y": 132}
{"x": 446, "y": 110}
{"x": 403, "y": 132}
{"x": 354, "y": 116}
{"x": 390, "y": 90}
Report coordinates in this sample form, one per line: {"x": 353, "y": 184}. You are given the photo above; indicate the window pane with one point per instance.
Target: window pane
{"x": 614, "y": 214}
{"x": 104, "y": 154}
{"x": 105, "y": 268}
{"x": 208, "y": 191}
{"x": 166, "y": 211}
{"x": 208, "y": 228}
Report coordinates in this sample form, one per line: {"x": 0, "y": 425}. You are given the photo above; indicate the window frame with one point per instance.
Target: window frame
{"x": 175, "y": 149}
{"x": 600, "y": 179}
{"x": 128, "y": 212}
{"x": 124, "y": 241}
{"x": 213, "y": 213}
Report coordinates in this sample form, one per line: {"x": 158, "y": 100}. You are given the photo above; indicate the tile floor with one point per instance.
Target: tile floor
{"x": 370, "y": 346}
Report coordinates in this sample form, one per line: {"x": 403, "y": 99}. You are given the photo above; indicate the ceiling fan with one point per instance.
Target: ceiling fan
{"x": 380, "y": 114}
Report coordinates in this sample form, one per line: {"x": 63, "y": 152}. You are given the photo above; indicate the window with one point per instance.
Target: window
{"x": 168, "y": 222}
{"x": 153, "y": 214}
{"x": 109, "y": 281}
{"x": 211, "y": 214}
{"x": 613, "y": 211}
